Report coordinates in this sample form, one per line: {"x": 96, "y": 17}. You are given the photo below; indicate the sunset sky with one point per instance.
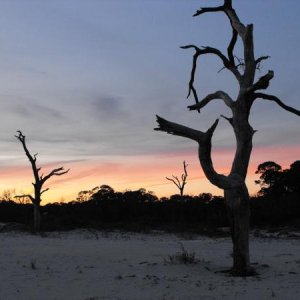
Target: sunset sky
{"x": 84, "y": 80}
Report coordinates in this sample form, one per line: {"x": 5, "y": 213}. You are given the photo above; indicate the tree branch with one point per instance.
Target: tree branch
{"x": 175, "y": 181}
{"x": 55, "y": 172}
{"x": 217, "y": 95}
{"x": 231, "y": 46}
{"x": 208, "y": 50}
{"x": 204, "y": 10}
{"x": 179, "y": 130}
{"x": 262, "y": 83}
{"x": 45, "y": 190}
{"x": 32, "y": 160}
{"x": 260, "y": 59}
{"x": 25, "y": 196}
{"x": 278, "y": 101}
{"x": 246, "y": 34}
{"x": 229, "y": 11}
{"x": 204, "y": 141}
{"x": 230, "y": 120}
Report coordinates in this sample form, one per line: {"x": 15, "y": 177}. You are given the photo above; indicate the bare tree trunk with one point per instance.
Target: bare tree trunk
{"x": 36, "y": 217}
{"x": 235, "y": 190}
{"x": 237, "y": 201}
{"x": 39, "y": 182}
{"x": 181, "y": 193}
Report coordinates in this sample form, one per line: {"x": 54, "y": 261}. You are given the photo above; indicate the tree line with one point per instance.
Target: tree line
{"x": 277, "y": 203}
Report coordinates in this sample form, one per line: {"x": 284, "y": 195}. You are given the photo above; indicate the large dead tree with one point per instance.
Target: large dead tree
{"x": 38, "y": 183}
{"x": 180, "y": 183}
{"x": 235, "y": 189}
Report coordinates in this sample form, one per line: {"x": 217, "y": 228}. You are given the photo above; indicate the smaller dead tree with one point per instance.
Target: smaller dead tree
{"x": 180, "y": 183}
{"x": 39, "y": 181}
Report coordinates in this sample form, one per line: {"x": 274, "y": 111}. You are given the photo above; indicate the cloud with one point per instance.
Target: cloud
{"x": 108, "y": 108}
{"x": 34, "y": 110}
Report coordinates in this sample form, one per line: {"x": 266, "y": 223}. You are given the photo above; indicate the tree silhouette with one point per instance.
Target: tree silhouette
{"x": 39, "y": 181}
{"x": 180, "y": 183}
{"x": 270, "y": 178}
{"x": 276, "y": 182}
{"x": 293, "y": 177}
{"x": 244, "y": 70}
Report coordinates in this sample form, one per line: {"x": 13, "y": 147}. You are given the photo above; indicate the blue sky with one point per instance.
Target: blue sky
{"x": 84, "y": 79}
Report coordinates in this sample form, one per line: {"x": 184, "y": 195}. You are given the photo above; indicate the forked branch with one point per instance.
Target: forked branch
{"x": 55, "y": 172}
{"x": 228, "y": 63}
{"x": 204, "y": 141}
{"x": 245, "y": 33}
{"x": 229, "y": 11}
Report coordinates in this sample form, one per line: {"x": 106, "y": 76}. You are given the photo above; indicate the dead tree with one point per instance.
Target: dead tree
{"x": 235, "y": 189}
{"x": 180, "y": 183}
{"x": 38, "y": 183}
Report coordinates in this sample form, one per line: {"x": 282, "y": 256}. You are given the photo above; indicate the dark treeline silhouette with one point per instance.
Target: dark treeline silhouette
{"x": 277, "y": 203}
{"x": 278, "y": 200}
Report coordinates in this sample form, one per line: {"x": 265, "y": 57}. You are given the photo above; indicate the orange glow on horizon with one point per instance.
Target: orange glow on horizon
{"x": 144, "y": 171}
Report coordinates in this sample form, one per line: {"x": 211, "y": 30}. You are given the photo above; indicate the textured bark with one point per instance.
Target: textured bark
{"x": 235, "y": 190}
{"x": 237, "y": 202}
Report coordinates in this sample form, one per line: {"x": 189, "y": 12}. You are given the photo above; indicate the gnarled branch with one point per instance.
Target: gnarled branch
{"x": 278, "y": 101}
{"x": 262, "y": 83}
{"x": 214, "y": 96}
{"x": 210, "y": 50}
{"x": 229, "y": 11}
{"x": 21, "y": 137}
{"x": 55, "y": 172}
{"x": 204, "y": 141}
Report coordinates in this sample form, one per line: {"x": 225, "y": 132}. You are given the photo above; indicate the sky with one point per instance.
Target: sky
{"x": 84, "y": 80}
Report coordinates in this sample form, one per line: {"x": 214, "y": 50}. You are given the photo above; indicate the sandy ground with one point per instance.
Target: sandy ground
{"x": 87, "y": 265}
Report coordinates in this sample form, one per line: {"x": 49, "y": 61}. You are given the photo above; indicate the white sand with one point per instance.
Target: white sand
{"x": 94, "y": 265}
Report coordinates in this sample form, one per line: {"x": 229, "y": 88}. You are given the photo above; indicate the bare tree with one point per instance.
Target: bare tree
{"x": 235, "y": 189}
{"x": 39, "y": 181}
{"x": 8, "y": 195}
{"x": 22, "y": 199}
{"x": 180, "y": 183}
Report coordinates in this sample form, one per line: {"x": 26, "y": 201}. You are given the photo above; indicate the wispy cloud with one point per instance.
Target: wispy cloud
{"x": 37, "y": 111}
